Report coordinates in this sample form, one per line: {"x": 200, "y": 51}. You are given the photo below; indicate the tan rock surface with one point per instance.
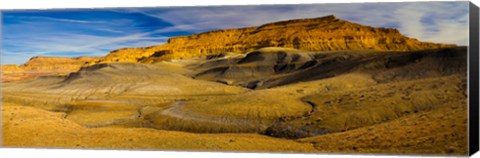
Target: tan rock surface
{"x": 44, "y": 66}
{"x": 317, "y": 34}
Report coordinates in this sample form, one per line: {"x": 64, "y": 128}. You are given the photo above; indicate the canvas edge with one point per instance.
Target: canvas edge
{"x": 473, "y": 52}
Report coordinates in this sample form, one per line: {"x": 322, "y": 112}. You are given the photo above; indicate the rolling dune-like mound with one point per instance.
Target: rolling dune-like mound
{"x": 297, "y": 94}
{"x": 163, "y": 96}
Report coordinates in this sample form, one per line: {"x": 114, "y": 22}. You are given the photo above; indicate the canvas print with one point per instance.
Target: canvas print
{"x": 356, "y": 78}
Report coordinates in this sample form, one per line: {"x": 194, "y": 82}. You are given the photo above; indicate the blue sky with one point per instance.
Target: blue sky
{"x": 95, "y": 32}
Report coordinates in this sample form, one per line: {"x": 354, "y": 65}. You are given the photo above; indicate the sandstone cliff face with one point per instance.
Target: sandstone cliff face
{"x": 127, "y": 55}
{"x": 44, "y": 66}
{"x": 52, "y": 63}
{"x": 11, "y": 67}
{"x": 318, "y": 34}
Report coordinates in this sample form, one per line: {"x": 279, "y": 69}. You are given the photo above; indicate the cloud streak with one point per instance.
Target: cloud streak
{"x": 27, "y": 35}
{"x": 77, "y": 45}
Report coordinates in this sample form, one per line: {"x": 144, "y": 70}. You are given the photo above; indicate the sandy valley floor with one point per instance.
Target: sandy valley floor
{"x": 364, "y": 102}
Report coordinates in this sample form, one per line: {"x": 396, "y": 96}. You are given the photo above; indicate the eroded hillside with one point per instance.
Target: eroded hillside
{"x": 282, "y": 93}
{"x": 317, "y": 34}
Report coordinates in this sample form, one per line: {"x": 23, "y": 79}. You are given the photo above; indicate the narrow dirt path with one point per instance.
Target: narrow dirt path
{"x": 176, "y": 111}
{"x": 283, "y": 128}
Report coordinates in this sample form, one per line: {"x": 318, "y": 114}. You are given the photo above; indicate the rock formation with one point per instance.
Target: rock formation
{"x": 318, "y": 34}
{"x": 50, "y": 63}
{"x": 44, "y": 66}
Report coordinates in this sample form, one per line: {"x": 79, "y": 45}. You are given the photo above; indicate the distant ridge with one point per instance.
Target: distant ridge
{"x": 44, "y": 66}
{"x": 316, "y": 34}
{"x": 50, "y": 63}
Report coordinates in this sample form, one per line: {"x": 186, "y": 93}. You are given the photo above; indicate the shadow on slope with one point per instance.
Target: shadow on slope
{"x": 272, "y": 67}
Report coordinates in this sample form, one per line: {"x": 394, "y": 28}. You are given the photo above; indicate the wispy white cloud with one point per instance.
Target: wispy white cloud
{"x": 436, "y": 22}
{"x": 31, "y": 35}
{"x": 44, "y": 18}
{"x": 75, "y": 45}
{"x": 69, "y": 20}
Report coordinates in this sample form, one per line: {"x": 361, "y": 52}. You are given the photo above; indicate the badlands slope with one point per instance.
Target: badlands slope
{"x": 407, "y": 97}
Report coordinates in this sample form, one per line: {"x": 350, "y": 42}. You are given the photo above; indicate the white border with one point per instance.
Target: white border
{"x": 75, "y": 153}
{"x": 49, "y": 4}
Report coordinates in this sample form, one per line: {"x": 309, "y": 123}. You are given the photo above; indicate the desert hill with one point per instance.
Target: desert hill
{"x": 44, "y": 66}
{"x": 51, "y": 63}
{"x": 317, "y": 34}
{"x": 271, "y": 67}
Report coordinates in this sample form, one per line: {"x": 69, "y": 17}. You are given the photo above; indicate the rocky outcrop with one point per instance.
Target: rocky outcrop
{"x": 50, "y": 63}
{"x": 11, "y": 67}
{"x": 44, "y": 66}
{"x": 317, "y": 34}
{"x": 127, "y": 55}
